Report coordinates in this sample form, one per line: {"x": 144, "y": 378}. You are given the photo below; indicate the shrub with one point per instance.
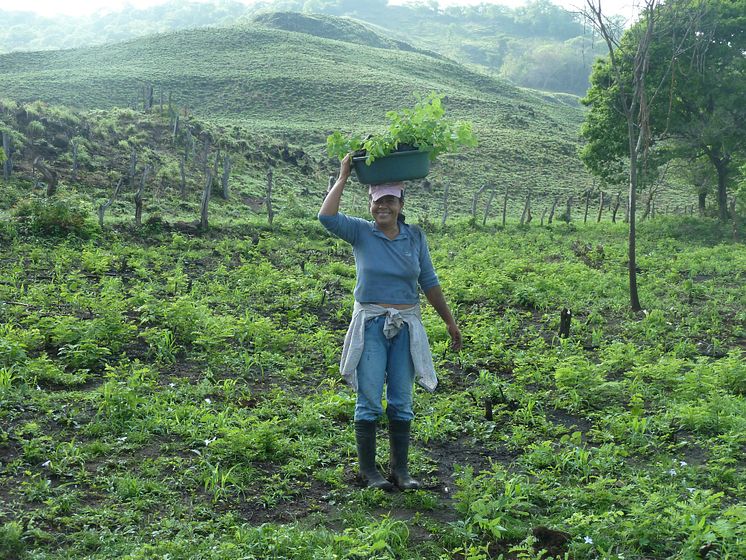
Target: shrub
{"x": 53, "y": 219}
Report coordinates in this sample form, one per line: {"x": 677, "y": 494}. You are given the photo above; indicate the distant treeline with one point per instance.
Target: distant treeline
{"x": 539, "y": 45}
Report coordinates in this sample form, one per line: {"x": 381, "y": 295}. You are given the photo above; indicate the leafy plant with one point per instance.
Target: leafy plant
{"x": 423, "y": 127}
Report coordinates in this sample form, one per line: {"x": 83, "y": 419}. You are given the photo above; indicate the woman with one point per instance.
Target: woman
{"x": 386, "y": 342}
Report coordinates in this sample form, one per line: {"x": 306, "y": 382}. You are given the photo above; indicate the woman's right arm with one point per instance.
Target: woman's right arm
{"x": 330, "y": 207}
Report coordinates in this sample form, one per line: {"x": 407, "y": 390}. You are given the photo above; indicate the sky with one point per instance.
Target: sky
{"x": 83, "y": 7}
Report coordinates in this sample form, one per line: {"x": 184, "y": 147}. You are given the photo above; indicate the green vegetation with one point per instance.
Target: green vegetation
{"x": 171, "y": 391}
{"x": 164, "y": 393}
{"x": 423, "y": 127}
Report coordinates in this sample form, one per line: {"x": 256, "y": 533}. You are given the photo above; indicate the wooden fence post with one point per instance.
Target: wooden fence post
{"x": 206, "y": 194}
{"x": 526, "y": 208}
{"x": 138, "y": 197}
{"x": 600, "y": 206}
{"x": 489, "y": 204}
{"x": 105, "y": 205}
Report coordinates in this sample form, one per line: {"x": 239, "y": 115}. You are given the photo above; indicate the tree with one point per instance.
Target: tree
{"x": 620, "y": 125}
{"x": 696, "y": 76}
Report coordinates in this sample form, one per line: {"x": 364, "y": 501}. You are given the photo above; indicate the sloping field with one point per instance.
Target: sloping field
{"x": 302, "y": 87}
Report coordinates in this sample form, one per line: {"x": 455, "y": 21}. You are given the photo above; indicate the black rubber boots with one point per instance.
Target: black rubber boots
{"x": 399, "y": 440}
{"x": 365, "y": 435}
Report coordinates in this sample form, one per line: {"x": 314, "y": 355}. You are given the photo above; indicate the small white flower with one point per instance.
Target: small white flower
{"x": 172, "y": 385}
{"x": 38, "y": 388}
{"x": 672, "y": 472}
{"x": 45, "y": 464}
{"x": 208, "y": 401}
{"x": 209, "y": 441}
{"x": 122, "y": 439}
{"x": 587, "y": 540}
{"x": 691, "y": 490}
{"x": 682, "y": 463}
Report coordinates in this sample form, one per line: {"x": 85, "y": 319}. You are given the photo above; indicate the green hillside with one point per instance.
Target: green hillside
{"x": 301, "y": 87}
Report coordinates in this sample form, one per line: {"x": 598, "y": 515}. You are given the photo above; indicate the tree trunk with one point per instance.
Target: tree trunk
{"x": 102, "y": 209}
{"x": 543, "y": 213}
{"x": 489, "y": 205}
{"x": 206, "y": 193}
{"x": 226, "y": 175}
{"x": 721, "y": 165}
{"x": 600, "y": 206}
{"x": 634, "y": 298}
{"x": 270, "y": 212}
{"x": 701, "y": 199}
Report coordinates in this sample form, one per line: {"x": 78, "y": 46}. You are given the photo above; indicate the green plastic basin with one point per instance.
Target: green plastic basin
{"x": 399, "y": 166}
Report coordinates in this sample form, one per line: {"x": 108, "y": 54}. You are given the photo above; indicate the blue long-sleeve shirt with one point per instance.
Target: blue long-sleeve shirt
{"x": 388, "y": 270}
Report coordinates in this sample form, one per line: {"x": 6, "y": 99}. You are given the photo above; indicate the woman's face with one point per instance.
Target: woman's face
{"x": 386, "y": 211}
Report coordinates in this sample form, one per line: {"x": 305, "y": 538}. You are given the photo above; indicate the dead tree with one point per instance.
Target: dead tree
{"x": 206, "y": 194}
{"x": 600, "y": 206}
{"x": 474, "y": 201}
{"x": 493, "y": 192}
{"x": 138, "y": 197}
{"x": 526, "y": 208}
{"x": 182, "y": 176}
{"x": 446, "y": 191}
{"x": 616, "y": 207}
{"x": 8, "y": 163}
{"x": 105, "y": 206}
{"x": 270, "y": 212}
{"x": 49, "y": 176}
{"x": 74, "y": 176}
{"x": 226, "y": 175}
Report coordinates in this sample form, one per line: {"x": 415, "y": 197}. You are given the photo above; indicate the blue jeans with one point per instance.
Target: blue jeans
{"x": 386, "y": 360}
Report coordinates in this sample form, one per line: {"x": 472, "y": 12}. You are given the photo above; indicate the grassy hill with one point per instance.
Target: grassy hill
{"x": 300, "y": 87}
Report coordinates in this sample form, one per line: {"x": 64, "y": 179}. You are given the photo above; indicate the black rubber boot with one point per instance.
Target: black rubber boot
{"x": 399, "y": 438}
{"x": 365, "y": 436}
